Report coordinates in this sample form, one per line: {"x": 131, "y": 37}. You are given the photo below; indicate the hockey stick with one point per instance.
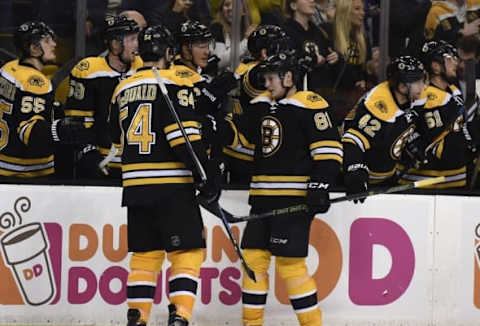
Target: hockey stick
{"x": 192, "y": 153}
{"x": 202, "y": 173}
{"x": 304, "y": 207}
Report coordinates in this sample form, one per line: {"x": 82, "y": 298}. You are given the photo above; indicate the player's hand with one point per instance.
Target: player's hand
{"x": 223, "y": 83}
{"x": 318, "y": 199}
{"x": 88, "y": 162}
{"x": 415, "y": 150}
{"x": 72, "y": 130}
{"x": 356, "y": 180}
{"x": 210, "y": 190}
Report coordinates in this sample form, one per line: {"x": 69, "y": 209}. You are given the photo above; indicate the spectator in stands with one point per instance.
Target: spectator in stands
{"x": 351, "y": 42}
{"x": 222, "y": 32}
{"x": 407, "y": 21}
{"x": 324, "y": 12}
{"x": 309, "y": 38}
{"x": 178, "y": 12}
{"x": 448, "y": 20}
{"x": 266, "y": 12}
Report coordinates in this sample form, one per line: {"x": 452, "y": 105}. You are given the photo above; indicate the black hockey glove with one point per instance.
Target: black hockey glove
{"x": 72, "y": 130}
{"x": 318, "y": 199}
{"x": 471, "y": 131}
{"x": 88, "y": 163}
{"x": 356, "y": 180}
{"x": 210, "y": 190}
{"x": 415, "y": 150}
{"x": 222, "y": 84}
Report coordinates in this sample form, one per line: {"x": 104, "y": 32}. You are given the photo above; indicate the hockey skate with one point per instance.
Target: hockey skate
{"x": 133, "y": 316}
{"x": 173, "y": 318}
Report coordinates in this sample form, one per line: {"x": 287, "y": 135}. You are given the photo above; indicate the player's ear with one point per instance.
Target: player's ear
{"x": 288, "y": 79}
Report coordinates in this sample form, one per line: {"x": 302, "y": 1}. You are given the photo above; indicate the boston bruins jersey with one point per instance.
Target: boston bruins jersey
{"x": 92, "y": 82}
{"x": 378, "y": 132}
{"x": 294, "y": 143}
{"x": 206, "y": 104}
{"x": 155, "y": 161}
{"x": 239, "y": 154}
{"x": 26, "y": 101}
{"x": 442, "y": 119}
{"x": 445, "y": 19}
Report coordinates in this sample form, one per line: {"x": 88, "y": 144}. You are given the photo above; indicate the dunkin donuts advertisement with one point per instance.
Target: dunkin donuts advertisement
{"x": 64, "y": 260}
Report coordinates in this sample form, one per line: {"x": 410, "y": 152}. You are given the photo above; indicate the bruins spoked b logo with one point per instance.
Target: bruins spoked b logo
{"x": 271, "y": 135}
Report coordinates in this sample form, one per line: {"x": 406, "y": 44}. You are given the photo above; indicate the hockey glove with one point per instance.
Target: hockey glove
{"x": 356, "y": 180}
{"x": 415, "y": 150}
{"x": 210, "y": 190}
{"x": 72, "y": 130}
{"x": 222, "y": 84}
{"x": 88, "y": 163}
{"x": 318, "y": 199}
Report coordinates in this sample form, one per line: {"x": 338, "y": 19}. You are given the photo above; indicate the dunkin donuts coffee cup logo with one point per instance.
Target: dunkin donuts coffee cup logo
{"x": 24, "y": 249}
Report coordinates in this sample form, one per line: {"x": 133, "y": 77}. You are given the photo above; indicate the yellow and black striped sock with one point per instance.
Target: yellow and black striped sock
{"x": 254, "y": 294}
{"x": 142, "y": 281}
{"x": 183, "y": 281}
{"x": 301, "y": 289}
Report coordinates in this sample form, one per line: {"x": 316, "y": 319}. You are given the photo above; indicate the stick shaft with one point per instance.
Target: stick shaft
{"x": 196, "y": 161}
{"x": 304, "y": 207}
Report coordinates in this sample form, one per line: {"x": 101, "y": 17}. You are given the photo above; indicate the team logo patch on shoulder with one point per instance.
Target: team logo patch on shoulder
{"x": 36, "y": 81}
{"x": 83, "y": 65}
{"x": 446, "y": 25}
{"x": 314, "y": 97}
{"x": 183, "y": 73}
{"x": 431, "y": 97}
{"x": 381, "y": 106}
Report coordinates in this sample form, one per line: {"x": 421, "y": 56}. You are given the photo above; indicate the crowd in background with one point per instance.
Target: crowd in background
{"x": 343, "y": 35}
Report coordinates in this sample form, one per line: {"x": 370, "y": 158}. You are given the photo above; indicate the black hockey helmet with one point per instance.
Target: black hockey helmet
{"x": 153, "y": 42}
{"x": 270, "y": 37}
{"x": 117, "y": 27}
{"x": 286, "y": 61}
{"x": 436, "y": 51}
{"x": 405, "y": 69}
{"x": 192, "y": 32}
{"x": 30, "y": 33}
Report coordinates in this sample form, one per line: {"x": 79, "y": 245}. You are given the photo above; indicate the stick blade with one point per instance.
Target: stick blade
{"x": 429, "y": 182}
{"x": 249, "y": 272}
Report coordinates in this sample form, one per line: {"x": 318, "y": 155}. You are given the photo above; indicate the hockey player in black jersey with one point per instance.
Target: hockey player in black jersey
{"x": 92, "y": 82}
{"x": 194, "y": 40}
{"x": 159, "y": 180}
{"x": 297, "y": 157}
{"x": 385, "y": 118}
{"x": 265, "y": 41}
{"x": 442, "y": 119}
{"x": 28, "y": 132}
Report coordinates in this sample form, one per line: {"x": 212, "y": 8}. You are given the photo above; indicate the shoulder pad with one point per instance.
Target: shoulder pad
{"x": 93, "y": 67}
{"x": 473, "y": 5}
{"x": 435, "y": 97}
{"x": 137, "y": 63}
{"x": 306, "y": 100}
{"x": 265, "y": 97}
{"x": 179, "y": 77}
{"x": 379, "y": 102}
{"x": 244, "y": 67}
{"x": 183, "y": 72}
{"x": 26, "y": 78}
{"x": 440, "y": 7}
